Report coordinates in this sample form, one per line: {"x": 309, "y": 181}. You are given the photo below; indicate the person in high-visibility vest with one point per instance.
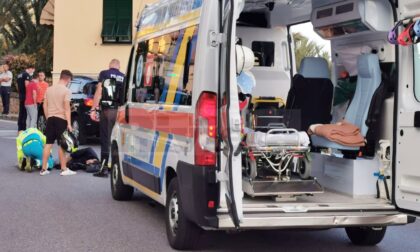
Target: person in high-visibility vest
{"x": 30, "y": 144}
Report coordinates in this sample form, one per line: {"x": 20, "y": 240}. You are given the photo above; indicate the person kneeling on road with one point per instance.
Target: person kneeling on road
{"x": 57, "y": 112}
{"x": 30, "y": 145}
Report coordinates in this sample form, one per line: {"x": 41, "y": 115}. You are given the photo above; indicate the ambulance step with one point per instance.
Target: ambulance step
{"x": 274, "y": 188}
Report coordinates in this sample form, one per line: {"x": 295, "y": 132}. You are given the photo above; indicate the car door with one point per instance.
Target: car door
{"x": 230, "y": 122}
{"x": 407, "y": 166}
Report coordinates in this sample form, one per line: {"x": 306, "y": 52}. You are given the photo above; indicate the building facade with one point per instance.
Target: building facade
{"x": 89, "y": 33}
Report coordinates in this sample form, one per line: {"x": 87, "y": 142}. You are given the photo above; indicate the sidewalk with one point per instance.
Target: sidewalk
{"x": 10, "y": 117}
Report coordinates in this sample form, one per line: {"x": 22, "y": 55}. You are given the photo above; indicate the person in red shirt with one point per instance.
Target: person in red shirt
{"x": 30, "y": 102}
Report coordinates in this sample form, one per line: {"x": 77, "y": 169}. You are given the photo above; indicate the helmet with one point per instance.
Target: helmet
{"x": 68, "y": 142}
{"x": 393, "y": 34}
{"x": 405, "y": 38}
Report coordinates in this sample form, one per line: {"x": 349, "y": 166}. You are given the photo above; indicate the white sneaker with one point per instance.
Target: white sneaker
{"x": 43, "y": 173}
{"x": 68, "y": 172}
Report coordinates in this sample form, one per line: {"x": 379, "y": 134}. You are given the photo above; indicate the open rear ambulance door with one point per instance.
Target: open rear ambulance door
{"x": 407, "y": 140}
{"x": 230, "y": 121}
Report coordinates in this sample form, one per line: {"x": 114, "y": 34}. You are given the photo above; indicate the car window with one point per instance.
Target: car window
{"x": 75, "y": 87}
{"x": 89, "y": 88}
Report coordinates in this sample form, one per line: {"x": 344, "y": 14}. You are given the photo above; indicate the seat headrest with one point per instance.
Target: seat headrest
{"x": 367, "y": 64}
{"x": 314, "y": 67}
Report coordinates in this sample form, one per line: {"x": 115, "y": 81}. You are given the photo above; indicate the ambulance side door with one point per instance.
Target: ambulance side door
{"x": 407, "y": 142}
{"x": 230, "y": 121}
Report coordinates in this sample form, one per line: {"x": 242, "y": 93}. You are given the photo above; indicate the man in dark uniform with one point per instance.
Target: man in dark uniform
{"x": 23, "y": 80}
{"x": 108, "y": 114}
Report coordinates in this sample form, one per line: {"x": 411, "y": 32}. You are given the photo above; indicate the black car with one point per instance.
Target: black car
{"x": 82, "y": 89}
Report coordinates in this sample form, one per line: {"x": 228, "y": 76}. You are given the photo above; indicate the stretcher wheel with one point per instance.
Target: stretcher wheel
{"x": 304, "y": 168}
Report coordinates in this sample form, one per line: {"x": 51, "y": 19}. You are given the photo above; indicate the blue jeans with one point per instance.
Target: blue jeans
{"x": 5, "y": 98}
{"x": 34, "y": 151}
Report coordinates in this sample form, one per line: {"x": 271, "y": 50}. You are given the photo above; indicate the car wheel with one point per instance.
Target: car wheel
{"x": 182, "y": 233}
{"x": 119, "y": 191}
{"x": 366, "y": 236}
{"x": 42, "y": 123}
{"x": 78, "y": 130}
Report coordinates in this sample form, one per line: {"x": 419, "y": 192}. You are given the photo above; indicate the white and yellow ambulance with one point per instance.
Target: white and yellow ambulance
{"x": 180, "y": 133}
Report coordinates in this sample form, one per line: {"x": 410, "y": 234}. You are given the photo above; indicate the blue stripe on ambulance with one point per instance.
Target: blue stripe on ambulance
{"x": 148, "y": 167}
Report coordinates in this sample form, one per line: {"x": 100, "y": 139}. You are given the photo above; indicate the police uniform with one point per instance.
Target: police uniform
{"x": 108, "y": 113}
{"x": 21, "y": 79}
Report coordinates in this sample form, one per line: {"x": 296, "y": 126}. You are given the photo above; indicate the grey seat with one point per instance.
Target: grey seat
{"x": 369, "y": 79}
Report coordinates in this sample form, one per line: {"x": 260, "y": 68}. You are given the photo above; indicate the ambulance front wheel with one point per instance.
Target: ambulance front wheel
{"x": 182, "y": 233}
{"x": 366, "y": 236}
{"x": 119, "y": 191}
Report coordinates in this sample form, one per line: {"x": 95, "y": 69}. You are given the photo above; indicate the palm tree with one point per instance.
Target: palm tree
{"x": 22, "y": 32}
{"x": 307, "y": 48}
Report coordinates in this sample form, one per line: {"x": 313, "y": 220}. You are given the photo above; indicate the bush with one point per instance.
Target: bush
{"x": 18, "y": 64}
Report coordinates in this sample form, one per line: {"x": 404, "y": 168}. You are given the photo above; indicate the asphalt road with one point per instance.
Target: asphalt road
{"x": 77, "y": 213}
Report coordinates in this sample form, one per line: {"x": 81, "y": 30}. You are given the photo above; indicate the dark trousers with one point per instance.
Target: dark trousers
{"x": 22, "y": 115}
{"x": 107, "y": 122}
{"x": 5, "y": 98}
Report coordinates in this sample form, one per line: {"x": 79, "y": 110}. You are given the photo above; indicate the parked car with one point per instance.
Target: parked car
{"x": 82, "y": 92}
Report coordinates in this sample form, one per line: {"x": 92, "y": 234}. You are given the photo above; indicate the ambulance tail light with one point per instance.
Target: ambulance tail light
{"x": 206, "y": 129}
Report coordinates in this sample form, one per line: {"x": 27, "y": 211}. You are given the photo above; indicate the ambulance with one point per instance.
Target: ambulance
{"x": 218, "y": 157}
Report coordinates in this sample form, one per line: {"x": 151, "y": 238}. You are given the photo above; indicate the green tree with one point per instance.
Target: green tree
{"x": 307, "y": 48}
{"x": 22, "y": 32}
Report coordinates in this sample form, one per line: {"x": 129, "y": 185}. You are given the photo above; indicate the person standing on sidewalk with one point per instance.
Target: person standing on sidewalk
{"x": 23, "y": 80}
{"x": 30, "y": 102}
{"x": 108, "y": 114}
{"x": 6, "y": 86}
{"x": 42, "y": 88}
{"x": 57, "y": 112}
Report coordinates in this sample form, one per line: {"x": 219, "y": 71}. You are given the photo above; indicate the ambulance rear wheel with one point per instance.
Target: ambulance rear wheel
{"x": 366, "y": 236}
{"x": 182, "y": 233}
{"x": 119, "y": 191}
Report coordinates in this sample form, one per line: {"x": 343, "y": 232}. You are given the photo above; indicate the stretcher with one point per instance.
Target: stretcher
{"x": 277, "y": 163}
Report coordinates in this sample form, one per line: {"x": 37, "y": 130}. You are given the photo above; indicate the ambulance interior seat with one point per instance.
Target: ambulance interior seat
{"x": 311, "y": 93}
{"x": 369, "y": 93}
{"x": 373, "y": 120}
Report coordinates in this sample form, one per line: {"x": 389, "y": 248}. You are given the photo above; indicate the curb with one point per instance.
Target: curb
{"x": 10, "y": 117}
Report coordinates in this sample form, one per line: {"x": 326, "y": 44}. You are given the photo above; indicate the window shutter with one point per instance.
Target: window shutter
{"x": 117, "y": 21}
{"x": 109, "y": 21}
{"x": 125, "y": 17}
